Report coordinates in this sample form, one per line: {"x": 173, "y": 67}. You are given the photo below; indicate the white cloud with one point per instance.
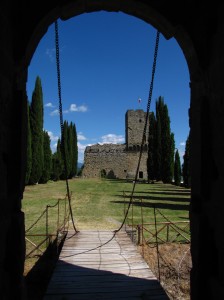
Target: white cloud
{"x": 81, "y": 147}
{"x": 54, "y": 147}
{"x": 54, "y": 113}
{"x": 72, "y": 108}
{"x": 182, "y": 144}
{"x": 52, "y": 136}
{"x": 81, "y": 108}
{"x": 181, "y": 153}
{"x": 51, "y": 54}
{"x": 81, "y": 150}
{"x": 112, "y": 138}
{"x": 49, "y": 104}
{"x": 81, "y": 137}
{"x": 106, "y": 139}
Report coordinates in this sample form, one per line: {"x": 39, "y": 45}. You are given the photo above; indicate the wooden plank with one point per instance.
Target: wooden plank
{"x": 98, "y": 278}
{"x": 112, "y": 296}
{"x": 105, "y": 288}
{"x": 101, "y": 265}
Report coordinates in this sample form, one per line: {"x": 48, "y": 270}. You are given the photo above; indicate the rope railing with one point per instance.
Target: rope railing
{"x": 152, "y": 234}
{"x": 52, "y": 227}
{"x": 167, "y": 231}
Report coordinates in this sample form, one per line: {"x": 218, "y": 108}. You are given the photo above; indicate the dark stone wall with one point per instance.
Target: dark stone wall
{"x": 12, "y": 164}
{"x": 199, "y": 30}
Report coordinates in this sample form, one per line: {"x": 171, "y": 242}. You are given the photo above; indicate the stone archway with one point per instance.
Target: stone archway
{"x": 199, "y": 31}
{"x": 151, "y": 18}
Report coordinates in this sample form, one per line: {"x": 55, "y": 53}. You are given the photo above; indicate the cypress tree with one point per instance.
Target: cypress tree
{"x": 166, "y": 146}
{"x": 163, "y": 156}
{"x": 177, "y": 169}
{"x": 69, "y": 151}
{"x": 159, "y": 137}
{"x": 158, "y": 146}
{"x": 79, "y": 173}
{"x": 186, "y": 164}
{"x": 164, "y": 143}
{"x": 151, "y": 148}
{"x": 36, "y": 125}
{"x": 73, "y": 149}
{"x": 65, "y": 152}
{"x": 70, "y": 145}
{"x": 57, "y": 163}
{"x": 47, "y": 160}
{"x": 29, "y": 148}
{"x": 172, "y": 153}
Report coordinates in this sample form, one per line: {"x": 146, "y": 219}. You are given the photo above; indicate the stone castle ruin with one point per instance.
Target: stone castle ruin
{"x": 120, "y": 160}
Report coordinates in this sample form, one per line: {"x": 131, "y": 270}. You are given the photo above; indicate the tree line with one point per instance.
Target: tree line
{"x": 43, "y": 165}
{"x": 163, "y": 162}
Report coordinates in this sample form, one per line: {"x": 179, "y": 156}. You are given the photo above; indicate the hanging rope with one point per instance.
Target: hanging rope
{"x": 145, "y": 126}
{"x": 61, "y": 121}
{"x": 144, "y": 131}
{"x": 143, "y": 141}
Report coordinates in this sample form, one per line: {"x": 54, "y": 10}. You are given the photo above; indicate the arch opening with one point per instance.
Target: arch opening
{"x": 137, "y": 146}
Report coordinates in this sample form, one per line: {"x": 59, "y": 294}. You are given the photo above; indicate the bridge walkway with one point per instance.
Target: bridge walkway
{"x": 101, "y": 265}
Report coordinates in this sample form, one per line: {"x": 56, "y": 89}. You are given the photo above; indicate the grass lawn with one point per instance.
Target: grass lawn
{"x": 99, "y": 204}
{"x": 96, "y": 204}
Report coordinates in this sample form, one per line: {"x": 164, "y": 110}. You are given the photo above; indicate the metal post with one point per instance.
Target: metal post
{"x": 167, "y": 232}
{"x": 157, "y": 248}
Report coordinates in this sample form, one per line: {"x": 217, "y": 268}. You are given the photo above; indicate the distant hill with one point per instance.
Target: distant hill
{"x": 80, "y": 165}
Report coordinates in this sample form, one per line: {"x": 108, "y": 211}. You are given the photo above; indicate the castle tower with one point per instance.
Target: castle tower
{"x": 120, "y": 160}
{"x": 134, "y": 126}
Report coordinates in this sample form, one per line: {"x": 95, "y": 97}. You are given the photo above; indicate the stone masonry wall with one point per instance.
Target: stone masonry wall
{"x": 134, "y": 126}
{"x": 115, "y": 160}
{"x": 109, "y": 157}
{"x": 132, "y": 163}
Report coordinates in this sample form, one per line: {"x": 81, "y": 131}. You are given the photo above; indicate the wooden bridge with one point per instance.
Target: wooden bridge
{"x": 102, "y": 265}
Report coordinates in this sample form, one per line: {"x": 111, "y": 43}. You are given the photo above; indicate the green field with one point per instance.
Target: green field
{"x": 100, "y": 204}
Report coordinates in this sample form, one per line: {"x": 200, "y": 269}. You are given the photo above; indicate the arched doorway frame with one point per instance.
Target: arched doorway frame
{"x": 152, "y": 17}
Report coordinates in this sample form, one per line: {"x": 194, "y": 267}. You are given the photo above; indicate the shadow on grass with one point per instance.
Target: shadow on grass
{"x": 115, "y": 180}
{"x": 173, "y": 206}
{"x": 163, "y": 191}
{"x": 38, "y": 277}
{"x": 155, "y": 198}
{"x": 166, "y": 192}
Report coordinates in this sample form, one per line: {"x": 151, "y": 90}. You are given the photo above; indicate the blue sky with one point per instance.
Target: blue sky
{"x": 106, "y": 65}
